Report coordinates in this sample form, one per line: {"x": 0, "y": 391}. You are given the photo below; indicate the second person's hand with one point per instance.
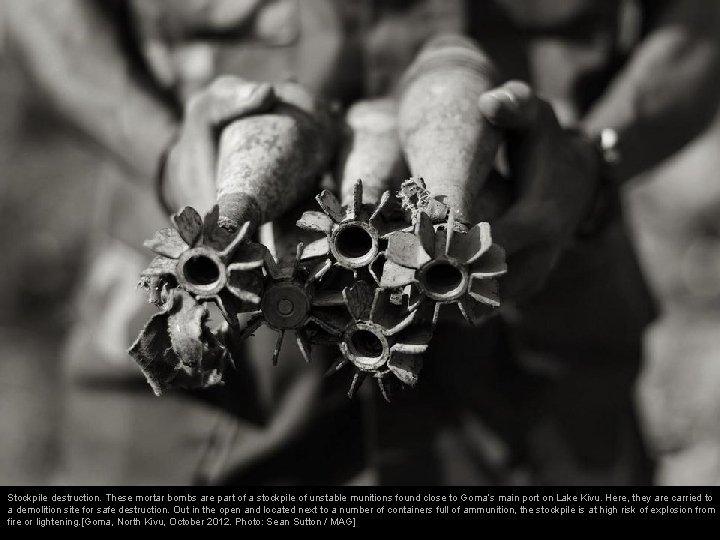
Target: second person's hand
{"x": 555, "y": 175}
{"x": 191, "y": 162}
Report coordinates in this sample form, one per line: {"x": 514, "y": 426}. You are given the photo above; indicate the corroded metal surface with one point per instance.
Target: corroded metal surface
{"x": 197, "y": 263}
{"x": 372, "y": 151}
{"x": 177, "y": 349}
{"x": 446, "y": 140}
{"x": 294, "y": 301}
{"x": 373, "y": 282}
{"x": 205, "y": 260}
{"x": 401, "y": 269}
{"x": 383, "y": 340}
{"x": 353, "y": 234}
{"x": 444, "y": 263}
{"x": 269, "y": 162}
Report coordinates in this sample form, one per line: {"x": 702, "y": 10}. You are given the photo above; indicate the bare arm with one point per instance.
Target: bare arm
{"x": 669, "y": 90}
{"x": 71, "y": 51}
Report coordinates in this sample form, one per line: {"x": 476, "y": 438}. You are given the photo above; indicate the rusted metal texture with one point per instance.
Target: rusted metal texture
{"x": 372, "y": 151}
{"x": 177, "y": 349}
{"x": 443, "y": 263}
{"x": 270, "y": 162}
{"x": 383, "y": 340}
{"x": 294, "y": 301}
{"x": 446, "y": 139}
{"x": 352, "y": 235}
{"x": 208, "y": 262}
{"x": 384, "y": 262}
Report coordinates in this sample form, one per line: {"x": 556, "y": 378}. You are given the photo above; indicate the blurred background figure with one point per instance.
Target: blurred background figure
{"x": 73, "y": 220}
{"x": 47, "y": 185}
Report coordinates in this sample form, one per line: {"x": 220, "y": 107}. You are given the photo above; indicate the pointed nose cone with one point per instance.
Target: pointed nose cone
{"x": 446, "y": 140}
{"x": 269, "y": 162}
{"x": 371, "y": 151}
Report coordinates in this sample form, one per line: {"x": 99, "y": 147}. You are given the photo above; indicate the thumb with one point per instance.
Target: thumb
{"x": 228, "y": 98}
{"x": 512, "y": 106}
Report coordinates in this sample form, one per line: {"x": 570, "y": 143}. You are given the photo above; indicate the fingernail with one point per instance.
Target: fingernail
{"x": 490, "y": 99}
{"x": 506, "y": 96}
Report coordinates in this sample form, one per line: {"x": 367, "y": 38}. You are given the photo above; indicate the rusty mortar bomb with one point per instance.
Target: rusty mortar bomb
{"x": 206, "y": 261}
{"x": 371, "y": 151}
{"x": 446, "y": 139}
{"x": 450, "y": 149}
{"x": 371, "y": 162}
{"x": 294, "y": 301}
{"x": 267, "y": 163}
{"x": 352, "y": 234}
{"x": 270, "y": 161}
{"x": 443, "y": 264}
{"x": 383, "y": 340}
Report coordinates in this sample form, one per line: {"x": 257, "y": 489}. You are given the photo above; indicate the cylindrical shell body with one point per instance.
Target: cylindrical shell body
{"x": 372, "y": 150}
{"x": 269, "y": 162}
{"x": 445, "y": 138}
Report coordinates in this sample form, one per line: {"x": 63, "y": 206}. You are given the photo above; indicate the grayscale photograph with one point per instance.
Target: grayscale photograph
{"x": 359, "y": 243}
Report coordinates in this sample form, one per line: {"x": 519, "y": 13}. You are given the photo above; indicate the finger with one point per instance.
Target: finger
{"x": 192, "y": 18}
{"x": 193, "y": 160}
{"x": 191, "y": 173}
{"x": 223, "y": 15}
{"x": 226, "y": 99}
{"x": 511, "y": 106}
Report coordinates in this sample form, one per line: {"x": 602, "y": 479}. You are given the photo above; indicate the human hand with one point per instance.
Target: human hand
{"x": 555, "y": 177}
{"x": 191, "y": 162}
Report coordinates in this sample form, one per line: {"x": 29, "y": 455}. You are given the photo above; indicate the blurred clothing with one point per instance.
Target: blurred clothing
{"x": 542, "y": 395}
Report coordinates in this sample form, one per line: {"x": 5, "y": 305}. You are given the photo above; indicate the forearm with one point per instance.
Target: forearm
{"x": 668, "y": 92}
{"x": 72, "y": 53}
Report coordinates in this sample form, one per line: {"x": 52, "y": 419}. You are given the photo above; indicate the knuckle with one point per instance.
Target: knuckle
{"x": 221, "y": 98}
{"x": 223, "y": 83}
{"x": 231, "y": 89}
{"x": 520, "y": 89}
{"x": 196, "y": 104}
